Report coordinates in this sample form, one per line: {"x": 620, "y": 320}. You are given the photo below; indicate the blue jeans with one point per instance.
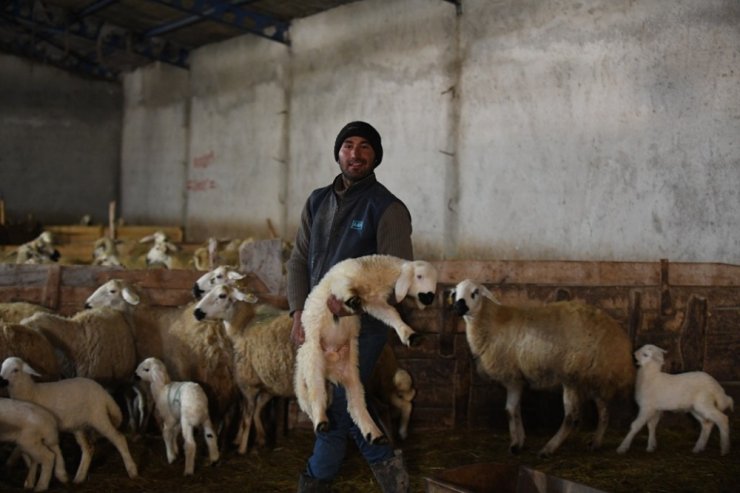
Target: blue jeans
{"x": 330, "y": 447}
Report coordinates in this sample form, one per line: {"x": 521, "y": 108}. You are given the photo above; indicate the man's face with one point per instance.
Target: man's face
{"x": 356, "y": 158}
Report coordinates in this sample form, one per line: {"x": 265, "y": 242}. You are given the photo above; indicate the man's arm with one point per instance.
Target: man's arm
{"x": 298, "y": 282}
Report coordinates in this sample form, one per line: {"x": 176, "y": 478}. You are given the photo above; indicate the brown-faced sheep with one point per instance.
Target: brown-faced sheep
{"x": 566, "y": 344}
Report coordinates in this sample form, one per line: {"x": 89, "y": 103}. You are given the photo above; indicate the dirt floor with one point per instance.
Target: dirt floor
{"x": 670, "y": 469}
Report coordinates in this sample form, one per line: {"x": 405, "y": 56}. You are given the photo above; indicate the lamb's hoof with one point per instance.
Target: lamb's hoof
{"x": 354, "y": 303}
{"x": 543, "y": 454}
{"x": 381, "y": 440}
{"x": 414, "y": 340}
{"x": 322, "y": 427}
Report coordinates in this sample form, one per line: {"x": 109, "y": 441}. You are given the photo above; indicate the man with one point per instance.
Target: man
{"x": 352, "y": 217}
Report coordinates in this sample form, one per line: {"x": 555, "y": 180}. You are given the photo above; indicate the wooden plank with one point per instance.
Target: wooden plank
{"x": 50, "y": 296}
{"x": 175, "y": 233}
{"x": 65, "y": 234}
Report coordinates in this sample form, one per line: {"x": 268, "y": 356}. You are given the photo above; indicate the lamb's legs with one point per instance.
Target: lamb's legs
{"x": 189, "y": 448}
{"x": 571, "y": 406}
{"x": 45, "y": 457}
{"x": 170, "y": 443}
{"x": 405, "y": 407}
{"x": 250, "y": 396}
{"x": 389, "y": 316}
{"x": 652, "y": 425}
{"x": 119, "y": 441}
{"x": 357, "y": 408}
{"x": 260, "y": 435}
{"x": 713, "y": 415}
{"x": 211, "y": 442}
{"x": 85, "y": 458}
{"x": 513, "y": 411}
{"x": 60, "y": 471}
{"x": 642, "y": 417}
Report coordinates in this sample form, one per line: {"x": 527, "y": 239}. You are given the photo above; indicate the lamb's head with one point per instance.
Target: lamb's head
{"x": 116, "y": 294}
{"x": 42, "y": 249}
{"x": 467, "y": 297}
{"x": 219, "y": 302}
{"x": 159, "y": 254}
{"x": 418, "y": 279}
{"x": 222, "y": 274}
{"x": 648, "y": 354}
{"x": 152, "y": 370}
{"x": 13, "y": 368}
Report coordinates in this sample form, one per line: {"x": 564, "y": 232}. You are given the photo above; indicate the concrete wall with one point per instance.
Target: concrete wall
{"x": 60, "y": 139}
{"x": 599, "y": 130}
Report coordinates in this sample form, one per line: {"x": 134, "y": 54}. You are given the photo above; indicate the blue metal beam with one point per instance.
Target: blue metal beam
{"x": 231, "y": 14}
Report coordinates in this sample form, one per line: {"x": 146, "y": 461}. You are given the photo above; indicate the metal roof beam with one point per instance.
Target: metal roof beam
{"x": 231, "y": 14}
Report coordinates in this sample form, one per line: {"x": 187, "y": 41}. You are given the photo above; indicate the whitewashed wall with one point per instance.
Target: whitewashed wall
{"x": 600, "y": 130}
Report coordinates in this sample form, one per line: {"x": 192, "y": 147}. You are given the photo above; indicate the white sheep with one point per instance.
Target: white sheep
{"x": 34, "y": 430}
{"x": 181, "y": 406}
{"x": 191, "y": 350}
{"x": 695, "y": 392}
{"x": 264, "y": 358}
{"x": 566, "y": 344}
{"x": 105, "y": 253}
{"x": 40, "y": 250}
{"x": 162, "y": 251}
{"x": 77, "y": 404}
{"x": 330, "y": 349}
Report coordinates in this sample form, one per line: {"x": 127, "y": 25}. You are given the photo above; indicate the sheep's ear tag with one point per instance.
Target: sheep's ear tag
{"x": 234, "y": 275}
{"x": 403, "y": 283}
{"x": 30, "y": 371}
{"x": 130, "y": 297}
{"x": 246, "y": 297}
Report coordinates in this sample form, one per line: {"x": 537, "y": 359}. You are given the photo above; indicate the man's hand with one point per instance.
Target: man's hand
{"x": 297, "y": 336}
{"x": 337, "y": 307}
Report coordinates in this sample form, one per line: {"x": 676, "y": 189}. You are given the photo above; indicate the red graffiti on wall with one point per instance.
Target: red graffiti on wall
{"x": 204, "y": 160}
{"x": 201, "y": 185}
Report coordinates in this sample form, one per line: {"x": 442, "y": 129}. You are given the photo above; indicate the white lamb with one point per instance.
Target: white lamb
{"x": 181, "y": 406}
{"x": 40, "y": 250}
{"x": 330, "y": 350}
{"x": 695, "y": 392}
{"x": 34, "y": 430}
{"x": 77, "y": 404}
{"x": 566, "y": 344}
{"x": 162, "y": 251}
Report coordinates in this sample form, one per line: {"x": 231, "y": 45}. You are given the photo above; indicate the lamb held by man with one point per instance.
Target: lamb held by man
{"x": 330, "y": 349}
{"x": 695, "y": 392}
{"x": 568, "y": 344}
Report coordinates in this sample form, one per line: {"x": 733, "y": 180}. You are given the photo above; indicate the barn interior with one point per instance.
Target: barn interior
{"x": 551, "y": 151}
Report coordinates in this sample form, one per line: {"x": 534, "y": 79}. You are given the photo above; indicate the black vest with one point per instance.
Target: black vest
{"x": 347, "y": 227}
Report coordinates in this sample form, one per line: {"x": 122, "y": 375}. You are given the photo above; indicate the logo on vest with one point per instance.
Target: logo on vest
{"x": 357, "y": 225}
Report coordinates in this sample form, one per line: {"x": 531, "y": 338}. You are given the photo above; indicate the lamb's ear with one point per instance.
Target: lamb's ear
{"x": 234, "y": 275}
{"x": 130, "y": 296}
{"x": 403, "y": 283}
{"x": 27, "y": 369}
{"x": 485, "y": 292}
{"x": 147, "y": 239}
{"x": 659, "y": 355}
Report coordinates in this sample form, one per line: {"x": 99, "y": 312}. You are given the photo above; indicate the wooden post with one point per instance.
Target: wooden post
{"x": 112, "y": 219}
{"x": 2, "y": 212}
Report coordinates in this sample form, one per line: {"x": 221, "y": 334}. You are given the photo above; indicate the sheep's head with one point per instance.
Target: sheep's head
{"x": 650, "y": 353}
{"x": 12, "y": 369}
{"x": 222, "y": 274}
{"x": 116, "y": 294}
{"x": 152, "y": 370}
{"x": 418, "y": 279}
{"x": 218, "y": 303}
{"x": 467, "y": 297}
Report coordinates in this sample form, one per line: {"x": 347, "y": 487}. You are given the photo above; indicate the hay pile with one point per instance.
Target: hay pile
{"x": 671, "y": 469}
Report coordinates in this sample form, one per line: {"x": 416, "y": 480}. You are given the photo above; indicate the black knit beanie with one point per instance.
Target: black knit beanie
{"x": 364, "y": 130}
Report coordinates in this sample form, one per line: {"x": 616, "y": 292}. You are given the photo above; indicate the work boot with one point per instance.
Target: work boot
{"x": 391, "y": 474}
{"x": 307, "y": 484}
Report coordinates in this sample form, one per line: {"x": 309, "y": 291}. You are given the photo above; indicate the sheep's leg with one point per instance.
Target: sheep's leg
{"x": 513, "y": 411}
{"x": 189, "y": 448}
{"x": 389, "y": 316}
{"x": 357, "y": 408}
{"x": 706, "y": 430}
{"x": 642, "y": 417}
{"x": 211, "y": 442}
{"x": 114, "y": 436}
{"x": 170, "y": 441}
{"x": 715, "y": 416}
{"x": 405, "y": 407}
{"x": 652, "y": 425}
{"x": 262, "y": 399}
{"x": 85, "y": 458}
{"x": 32, "y": 466}
{"x": 603, "y": 411}
{"x": 60, "y": 470}
{"x": 250, "y": 396}
{"x": 571, "y": 406}
{"x": 43, "y": 456}
{"x": 317, "y": 395}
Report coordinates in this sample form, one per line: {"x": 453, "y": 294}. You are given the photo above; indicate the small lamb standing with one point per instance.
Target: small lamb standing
{"x": 181, "y": 406}
{"x": 330, "y": 349}
{"x": 566, "y": 344}
{"x": 695, "y": 392}
{"x": 34, "y": 430}
{"x": 77, "y": 404}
